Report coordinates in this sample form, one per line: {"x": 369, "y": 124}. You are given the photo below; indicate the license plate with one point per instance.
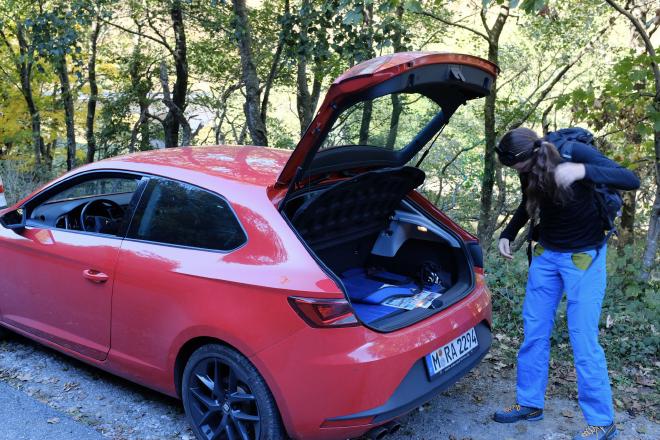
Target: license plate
{"x": 447, "y": 355}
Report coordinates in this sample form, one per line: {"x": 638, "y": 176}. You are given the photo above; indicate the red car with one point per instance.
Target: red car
{"x": 314, "y": 294}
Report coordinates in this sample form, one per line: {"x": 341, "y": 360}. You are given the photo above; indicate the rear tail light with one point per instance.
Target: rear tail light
{"x": 324, "y": 312}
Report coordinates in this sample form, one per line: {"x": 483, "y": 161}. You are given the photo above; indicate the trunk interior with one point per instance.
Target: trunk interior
{"x": 396, "y": 264}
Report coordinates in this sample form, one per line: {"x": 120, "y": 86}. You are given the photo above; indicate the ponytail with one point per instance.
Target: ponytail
{"x": 541, "y": 182}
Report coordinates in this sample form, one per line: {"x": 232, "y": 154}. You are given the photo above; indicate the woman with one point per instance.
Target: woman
{"x": 569, "y": 257}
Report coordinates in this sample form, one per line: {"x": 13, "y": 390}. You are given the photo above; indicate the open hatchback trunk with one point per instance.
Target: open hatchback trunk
{"x": 347, "y": 187}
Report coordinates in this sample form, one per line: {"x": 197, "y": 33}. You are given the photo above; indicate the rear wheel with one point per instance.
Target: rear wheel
{"x": 225, "y": 397}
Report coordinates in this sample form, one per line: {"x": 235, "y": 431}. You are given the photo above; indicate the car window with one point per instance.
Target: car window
{"x": 390, "y": 122}
{"x": 99, "y": 203}
{"x": 97, "y": 187}
{"x": 181, "y": 214}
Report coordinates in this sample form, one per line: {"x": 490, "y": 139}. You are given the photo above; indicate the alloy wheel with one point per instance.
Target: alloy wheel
{"x": 223, "y": 407}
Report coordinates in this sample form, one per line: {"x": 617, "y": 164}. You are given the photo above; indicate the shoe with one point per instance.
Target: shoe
{"x": 598, "y": 433}
{"x": 516, "y": 412}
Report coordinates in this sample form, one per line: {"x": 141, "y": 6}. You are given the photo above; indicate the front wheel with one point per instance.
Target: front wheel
{"x": 225, "y": 397}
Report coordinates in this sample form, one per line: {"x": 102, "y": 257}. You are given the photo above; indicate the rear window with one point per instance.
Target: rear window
{"x": 180, "y": 214}
{"x": 390, "y": 122}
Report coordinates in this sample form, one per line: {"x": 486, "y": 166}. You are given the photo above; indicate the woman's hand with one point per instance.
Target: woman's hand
{"x": 568, "y": 172}
{"x": 504, "y": 248}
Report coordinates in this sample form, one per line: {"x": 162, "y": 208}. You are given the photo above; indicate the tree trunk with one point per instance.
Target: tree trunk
{"x": 307, "y": 101}
{"x": 35, "y": 119}
{"x": 366, "y": 122}
{"x": 177, "y": 105}
{"x": 488, "y": 180}
{"x": 485, "y": 228}
{"x": 317, "y": 83}
{"x": 252, "y": 109}
{"x": 397, "y": 106}
{"x": 65, "y": 88}
{"x": 93, "y": 94}
{"x": 367, "y": 109}
{"x": 23, "y": 64}
{"x": 651, "y": 249}
{"x": 303, "y": 97}
{"x": 140, "y": 88}
{"x": 627, "y": 227}
{"x": 275, "y": 65}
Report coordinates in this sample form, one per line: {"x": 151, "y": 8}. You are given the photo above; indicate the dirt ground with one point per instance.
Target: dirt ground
{"x": 121, "y": 410}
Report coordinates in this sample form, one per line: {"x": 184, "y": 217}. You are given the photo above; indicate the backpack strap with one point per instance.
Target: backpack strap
{"x": 530, "y": 238}
{"x": 565, "y": 138}
{"x": 566, "y": 151}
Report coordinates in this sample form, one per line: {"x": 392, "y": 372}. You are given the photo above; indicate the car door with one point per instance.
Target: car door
{"x": 175, "y": 258}
{"x": 59, "y": 280}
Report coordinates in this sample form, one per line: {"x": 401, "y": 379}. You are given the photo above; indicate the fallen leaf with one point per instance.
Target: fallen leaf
{"x": 568, "y": 414}
{"x": 609, "y": 322}
{"x": 646, "y": 381}
{"x": 24, "y": 377}
{"x": 70, "y": 386}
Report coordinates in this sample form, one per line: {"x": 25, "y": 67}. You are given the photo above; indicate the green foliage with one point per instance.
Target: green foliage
{"x": 20, "y": 179}
{"x": 622, "y": 105}
{"x": 629, "y": 320}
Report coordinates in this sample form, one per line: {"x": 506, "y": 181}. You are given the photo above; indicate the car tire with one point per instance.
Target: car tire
{"x": 222, "y": 391}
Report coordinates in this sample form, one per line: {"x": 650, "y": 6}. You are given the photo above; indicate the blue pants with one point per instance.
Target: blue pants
{"x": 550, "y": 274}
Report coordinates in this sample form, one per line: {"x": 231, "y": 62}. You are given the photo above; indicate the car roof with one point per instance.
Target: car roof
{"x": 248, "y": 164}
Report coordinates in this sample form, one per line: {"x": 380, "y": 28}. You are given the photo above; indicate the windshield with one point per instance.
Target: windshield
{"x": 390, "y": 122}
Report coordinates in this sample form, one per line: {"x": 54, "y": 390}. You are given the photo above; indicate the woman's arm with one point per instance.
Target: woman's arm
{"x": 600, "y": 169}
{"x": 519, "y": 219}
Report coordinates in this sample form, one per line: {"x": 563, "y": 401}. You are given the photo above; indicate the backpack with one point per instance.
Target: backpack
{"x": 609, "y": 199}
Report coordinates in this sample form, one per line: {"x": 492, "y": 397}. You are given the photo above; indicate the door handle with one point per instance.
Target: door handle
{"x": 95, "y": 276}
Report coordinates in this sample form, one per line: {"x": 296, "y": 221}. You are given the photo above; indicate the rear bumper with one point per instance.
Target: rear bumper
{"x": 418, "y": 388}
{"x": 339, "y": 383}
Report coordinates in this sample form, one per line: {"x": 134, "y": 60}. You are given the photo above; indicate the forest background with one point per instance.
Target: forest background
{"x": 83, "y": 80}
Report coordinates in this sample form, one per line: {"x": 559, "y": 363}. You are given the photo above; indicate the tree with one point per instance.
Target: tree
{"x": 24, "y": 62}
{"x": 532, "y": 69}
{"x": 57, "y": 32}
{"x": 651, "y": 249}
{"x": 149, "y": 24}
{"x": 252, "y": 107}
{"x": 93, "y": 91}
{"x": 491, "y": 34}
{"x": 176, "y": 103}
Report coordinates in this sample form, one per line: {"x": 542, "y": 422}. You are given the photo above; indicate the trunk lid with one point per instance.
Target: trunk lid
{"x": 364, "y": 95}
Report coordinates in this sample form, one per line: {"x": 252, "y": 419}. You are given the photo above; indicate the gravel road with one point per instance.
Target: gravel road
{"x": 25, "y": 418}
{"x": 46, "y": 392}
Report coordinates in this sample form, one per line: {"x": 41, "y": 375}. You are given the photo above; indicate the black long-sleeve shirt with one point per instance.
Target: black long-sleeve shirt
{"x": 577, "y": 224}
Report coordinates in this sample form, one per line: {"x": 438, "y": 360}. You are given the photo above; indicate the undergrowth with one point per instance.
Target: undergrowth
{"x": 629, "y": 331}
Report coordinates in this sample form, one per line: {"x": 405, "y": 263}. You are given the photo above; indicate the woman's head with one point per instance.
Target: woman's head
{"x": 522, "y": 149}
{"x": 517, "y": 147}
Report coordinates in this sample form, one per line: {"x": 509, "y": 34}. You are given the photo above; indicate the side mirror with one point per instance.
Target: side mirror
{"x": 14, "y": 220}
